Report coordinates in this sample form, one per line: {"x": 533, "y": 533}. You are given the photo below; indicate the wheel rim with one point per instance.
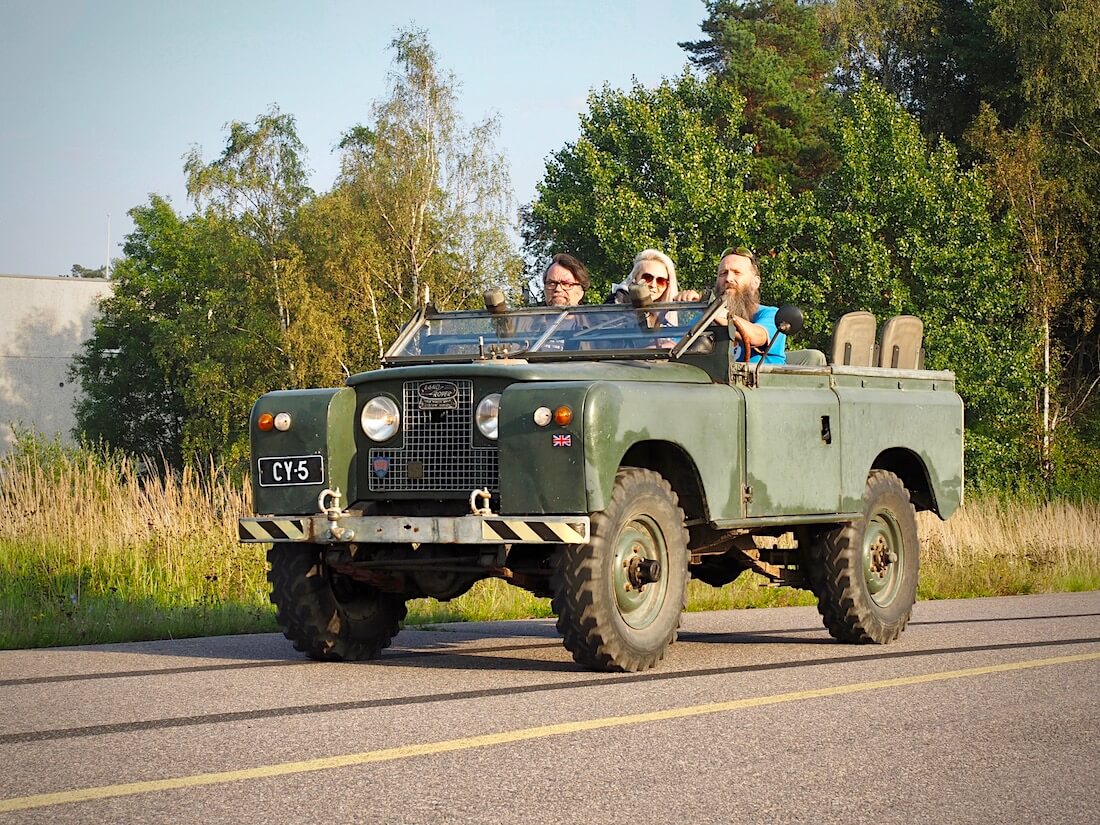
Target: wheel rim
{"x": 640, "y": 540}
{"x": 883, "y": 558}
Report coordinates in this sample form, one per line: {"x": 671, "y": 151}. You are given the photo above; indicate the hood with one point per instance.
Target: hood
{"x": 518, "y": 370}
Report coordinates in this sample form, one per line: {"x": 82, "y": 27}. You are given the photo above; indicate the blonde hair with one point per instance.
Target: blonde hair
{"x": 663, "y": 259}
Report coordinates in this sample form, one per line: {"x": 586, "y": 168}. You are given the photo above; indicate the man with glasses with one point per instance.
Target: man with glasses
{"x": 738, "y": 283}
{"x": 565, "y": 281}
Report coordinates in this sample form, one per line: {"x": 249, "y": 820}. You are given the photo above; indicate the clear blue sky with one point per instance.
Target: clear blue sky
{"x": 100, "y": 99}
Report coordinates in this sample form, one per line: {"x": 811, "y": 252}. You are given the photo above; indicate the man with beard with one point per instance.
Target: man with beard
{"x": 738, "y": 284}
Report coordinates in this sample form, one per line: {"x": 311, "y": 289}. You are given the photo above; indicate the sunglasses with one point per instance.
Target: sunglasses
{"x": 743, "y": 251}
{"x": 650, "y": 278}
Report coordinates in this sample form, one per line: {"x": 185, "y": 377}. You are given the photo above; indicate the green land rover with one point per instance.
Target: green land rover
{"x": 601, "y": 455}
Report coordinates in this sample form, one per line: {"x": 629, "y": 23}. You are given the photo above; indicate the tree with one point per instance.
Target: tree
{"x": 939, "y": 58}
{"x": 902, "y": 229}
{"x": 1045, "y": 170}
{"x": 267, "y": 285}
{"x": 663, "y": 167}
{"x": 771, "y": 53}
{"x": 182, "y": 347}
{"x": 896, "y": 228}
{"x": 257, "y": 184}
{"x": 79, "y": 271}
{"x": 435, "y": 196}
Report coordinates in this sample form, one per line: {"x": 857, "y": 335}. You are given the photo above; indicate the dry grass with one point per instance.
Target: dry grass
{"x": 93, "y": 549}
{"x": 1003, "y": 547}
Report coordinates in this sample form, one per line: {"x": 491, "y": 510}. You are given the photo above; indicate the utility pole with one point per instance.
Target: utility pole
{"x": 107, "y": 266}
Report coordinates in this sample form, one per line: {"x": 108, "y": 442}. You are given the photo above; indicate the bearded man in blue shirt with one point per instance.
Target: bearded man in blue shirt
{"x": 738, "y": 283}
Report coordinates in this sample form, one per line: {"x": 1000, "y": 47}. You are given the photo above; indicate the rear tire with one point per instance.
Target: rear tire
{"x": 865, "y": 573}
{"x": 326, "y": 615}
{"x": 610, "y": 615}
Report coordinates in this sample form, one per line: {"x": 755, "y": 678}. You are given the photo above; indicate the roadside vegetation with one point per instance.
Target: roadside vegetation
{"x": 820, "y": 134}
{"x": 95, "y": 547}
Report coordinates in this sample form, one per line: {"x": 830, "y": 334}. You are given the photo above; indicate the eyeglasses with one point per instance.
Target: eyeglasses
{"x": 650, "y": 278}
{"x": 562, "y": 285}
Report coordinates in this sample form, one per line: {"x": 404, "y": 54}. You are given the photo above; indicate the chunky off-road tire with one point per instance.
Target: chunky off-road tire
{"x": 329, "y": 616}
{"x": 865, "y": 574}
{"x": 606, "y": 620}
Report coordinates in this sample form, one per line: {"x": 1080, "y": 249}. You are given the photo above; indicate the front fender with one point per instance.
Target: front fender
{"x": 707, "y": 421}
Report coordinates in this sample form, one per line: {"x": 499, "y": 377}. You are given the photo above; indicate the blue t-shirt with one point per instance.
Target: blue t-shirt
{"x": 765, "y": 317}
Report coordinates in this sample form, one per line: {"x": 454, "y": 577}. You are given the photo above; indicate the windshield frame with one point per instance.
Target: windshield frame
{"x": 487, "y": 352}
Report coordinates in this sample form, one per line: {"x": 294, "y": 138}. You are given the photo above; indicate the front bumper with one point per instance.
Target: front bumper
{"x": 470, "y": 529}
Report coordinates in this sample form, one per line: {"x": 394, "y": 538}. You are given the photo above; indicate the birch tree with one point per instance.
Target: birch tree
{"x": 437, "y": 192}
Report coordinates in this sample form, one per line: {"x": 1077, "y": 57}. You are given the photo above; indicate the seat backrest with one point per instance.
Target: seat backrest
{"x": 806, "y": 357}
{"x": 900, "y": 346}
{"x": 854, "y": 340}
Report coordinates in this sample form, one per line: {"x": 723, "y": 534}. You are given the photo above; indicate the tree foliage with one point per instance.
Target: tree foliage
{"x": 664, "y": 167}
{"x": 904, "y": 230}
{"x": 1015, "y": 84}
{"x": 939, "y": 58}
{"x": 269, "y": 285}
{"x": 79, "y": 271}
{"x": 179, "y": 348}
{"x": 896, "y": 228}
{"x": 771, "y": 53}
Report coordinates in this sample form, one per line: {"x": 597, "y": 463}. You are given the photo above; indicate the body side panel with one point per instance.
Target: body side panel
{"x": 706, "y": 422}
{"x": 924, "y": 416}
{"x": 793, "y": 449}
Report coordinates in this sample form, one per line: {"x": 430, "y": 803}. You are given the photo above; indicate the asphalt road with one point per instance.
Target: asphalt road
{"x": 986, "y": 710}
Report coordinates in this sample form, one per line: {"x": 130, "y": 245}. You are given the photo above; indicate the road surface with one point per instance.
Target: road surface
{"x": 986, "y": 710}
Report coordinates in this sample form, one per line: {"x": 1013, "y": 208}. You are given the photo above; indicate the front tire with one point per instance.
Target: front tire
{"x": 866, "y": 576}
{"x": 619, "y": 597}
{"x": 326, "y": 615}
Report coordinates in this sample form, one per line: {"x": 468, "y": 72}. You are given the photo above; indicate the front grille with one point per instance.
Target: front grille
{"x": 438, "y": 452}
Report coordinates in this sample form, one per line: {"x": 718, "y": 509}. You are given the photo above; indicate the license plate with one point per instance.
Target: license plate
{"x": 291, "y": 470}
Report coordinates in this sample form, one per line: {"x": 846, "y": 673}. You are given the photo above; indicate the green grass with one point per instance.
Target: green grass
{"x": 94, "y": 549}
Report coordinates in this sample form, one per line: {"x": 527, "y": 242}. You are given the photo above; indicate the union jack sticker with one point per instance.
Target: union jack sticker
{"x": 563, "y": 440}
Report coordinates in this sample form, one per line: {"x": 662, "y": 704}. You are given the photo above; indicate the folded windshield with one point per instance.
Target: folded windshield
{"x": 545, "y": 332}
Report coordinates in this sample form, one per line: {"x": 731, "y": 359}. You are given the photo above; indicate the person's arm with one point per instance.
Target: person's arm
{"x": 758, "y": 334}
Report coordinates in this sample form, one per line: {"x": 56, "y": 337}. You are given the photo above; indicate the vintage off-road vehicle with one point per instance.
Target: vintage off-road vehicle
{"x": 600, "y": 455}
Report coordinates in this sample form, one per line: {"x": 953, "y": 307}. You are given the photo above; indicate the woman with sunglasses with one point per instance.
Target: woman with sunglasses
{"x": 657, "y": 273}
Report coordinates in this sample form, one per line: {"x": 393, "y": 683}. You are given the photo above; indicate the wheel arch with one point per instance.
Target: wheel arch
{"x": 911, "y": 469}
{"x": 677, "y": 467}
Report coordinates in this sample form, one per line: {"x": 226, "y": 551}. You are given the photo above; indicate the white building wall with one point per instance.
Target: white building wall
{"x": 43, "y": 323}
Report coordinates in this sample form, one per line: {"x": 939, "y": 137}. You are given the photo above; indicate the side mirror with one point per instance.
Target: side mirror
{"x": 789, "y": 320}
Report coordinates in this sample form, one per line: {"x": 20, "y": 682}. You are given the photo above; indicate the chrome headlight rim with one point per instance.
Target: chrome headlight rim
{"x": 380, "y": 418}
{"x": 487, "y": 416}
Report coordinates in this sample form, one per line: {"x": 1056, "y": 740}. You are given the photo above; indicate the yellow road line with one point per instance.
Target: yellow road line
{"x": 22, "y": 803}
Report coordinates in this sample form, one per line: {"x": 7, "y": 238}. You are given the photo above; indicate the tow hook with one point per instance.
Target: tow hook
{"x": 485, "y": 509}
{"x": 334, "y": 513}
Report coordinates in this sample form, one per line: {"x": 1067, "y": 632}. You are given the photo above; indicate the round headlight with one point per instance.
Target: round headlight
{"x": 380, "y": 418}
{"x": 488, "y": 414}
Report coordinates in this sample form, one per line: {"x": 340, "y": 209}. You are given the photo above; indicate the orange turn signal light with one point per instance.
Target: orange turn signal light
{"x": 266, "y": 422}
{"x": 563, "y": 416}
